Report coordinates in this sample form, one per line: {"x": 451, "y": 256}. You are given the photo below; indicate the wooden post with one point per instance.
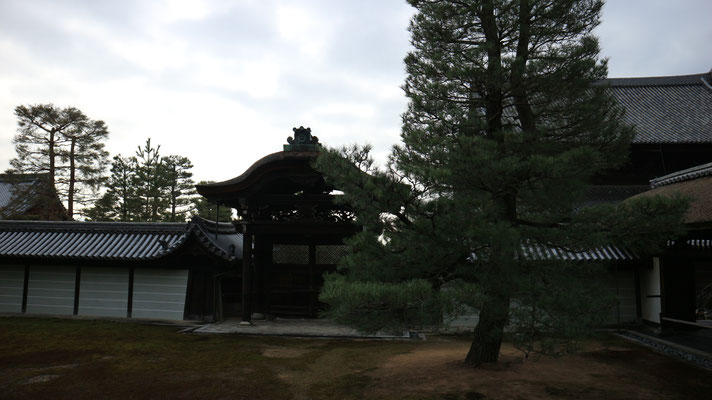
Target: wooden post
{"x": 77, "y": 284}
{"x": 312, "y": 267}
{"x": 246, "y": 277}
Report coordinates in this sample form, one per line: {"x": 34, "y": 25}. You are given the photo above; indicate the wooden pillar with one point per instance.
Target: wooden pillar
{"x": 312, "y": 295}
{"x": 266, "y": 267}
{"x": 246, "y": 277}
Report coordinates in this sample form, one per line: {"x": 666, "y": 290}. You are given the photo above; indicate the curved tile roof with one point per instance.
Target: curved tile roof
{"x": 607, "y": 253}
{"x": 540, "y": 252}
{"x": 695, "y": 172}
{"x": 284, "y": 172}
{"x": 115, "y": 240}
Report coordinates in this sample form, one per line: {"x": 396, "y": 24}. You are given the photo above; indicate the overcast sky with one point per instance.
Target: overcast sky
{"x": 224, "y": 82}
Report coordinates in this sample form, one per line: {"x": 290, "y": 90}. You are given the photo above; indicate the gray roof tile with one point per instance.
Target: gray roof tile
{"x": 668, "y": 109}
{"x": 115, "y": 240}
{"x": 539, "y": 252}
{"x": 607, "y": 253}
{"x": 695, "y": 172}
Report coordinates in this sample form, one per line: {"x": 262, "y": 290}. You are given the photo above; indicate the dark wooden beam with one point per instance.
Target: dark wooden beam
{"x": 246, "y": 277}
{"x": 292, "y": 199}
{"x": 77, "y": 284}
{"x": 25, "y": 286}
{"x": 129, "y": 305}
{"x": 301, "y": 228}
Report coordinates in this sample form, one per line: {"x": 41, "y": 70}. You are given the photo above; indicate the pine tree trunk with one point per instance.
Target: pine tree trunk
{"x": 72, "y": 178}
{"x": 51, "y": 157}
{"x": 488, "y": 333}
{"x": 52, "y": 186}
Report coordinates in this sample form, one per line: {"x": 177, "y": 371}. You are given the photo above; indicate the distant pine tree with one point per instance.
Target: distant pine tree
{"x": 146, "y": 188}
{"x": 180, "y": 187}
{"x": 120, "y": 201}
{"x": 67, "y": 145}
{"x": 151, "y": 183}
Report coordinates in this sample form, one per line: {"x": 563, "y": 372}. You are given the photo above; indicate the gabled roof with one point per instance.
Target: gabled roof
{"x": 124, "y": 241}
{"x": 19, "y": 193}
{"x": 220, "y": 239}
{"x": 667, "y": 109}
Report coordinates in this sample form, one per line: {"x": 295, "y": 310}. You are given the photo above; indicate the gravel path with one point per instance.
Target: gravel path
{"x": 698, "y": 358}
{"x": 297, "y": 327}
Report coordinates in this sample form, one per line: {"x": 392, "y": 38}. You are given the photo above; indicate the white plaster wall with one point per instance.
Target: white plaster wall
{"x": 159, "y": 293}
{"x": 104, "y": 291}
{"x": 50, "y": 290}
{"x": 12, "y": 283}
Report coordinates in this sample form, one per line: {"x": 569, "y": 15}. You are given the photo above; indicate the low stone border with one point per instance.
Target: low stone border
{"x": 696, "y": 357}
{"x": 316, "y": 328}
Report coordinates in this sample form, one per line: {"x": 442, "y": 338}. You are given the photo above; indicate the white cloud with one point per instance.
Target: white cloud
{"x": 223, "y": 82}
{"x": 305, "y": 28}
{"x": 169, "y": 11}
{"x": 357, "y": 110}
{"x": 256, "y": 77}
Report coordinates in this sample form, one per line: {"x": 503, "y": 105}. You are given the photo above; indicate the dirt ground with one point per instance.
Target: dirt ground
{"x": 612, "y": 371}
{"x": 70, "y": 359}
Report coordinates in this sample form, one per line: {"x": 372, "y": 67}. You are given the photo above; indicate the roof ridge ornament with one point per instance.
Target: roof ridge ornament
{"x": 302, "y": 140}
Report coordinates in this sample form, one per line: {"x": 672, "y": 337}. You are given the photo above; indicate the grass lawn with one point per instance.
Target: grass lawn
{"x": 79, "y": 359}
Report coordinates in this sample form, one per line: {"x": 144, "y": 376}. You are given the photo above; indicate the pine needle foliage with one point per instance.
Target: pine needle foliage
{"x": 67, "y": 145}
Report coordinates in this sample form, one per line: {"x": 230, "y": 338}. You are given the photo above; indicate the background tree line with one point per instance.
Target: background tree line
{"x": 69, "y": 147}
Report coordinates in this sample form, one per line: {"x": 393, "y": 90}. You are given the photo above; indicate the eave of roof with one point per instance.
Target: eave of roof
{"x": 539, "y": 252}
{"x": 601, "y": 254}
{"x": 244, "y": 179}
{"x": 226, "y": 244}
{"x": 675, "y": 80}
{"x": 695, "y": 172}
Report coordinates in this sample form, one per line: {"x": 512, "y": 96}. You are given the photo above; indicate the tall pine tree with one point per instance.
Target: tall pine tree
{"x": 504, "y": 129}
{"x": 151, "y": 182}
{"x": 64, "y": 143}
{"x": 85, "y": 162}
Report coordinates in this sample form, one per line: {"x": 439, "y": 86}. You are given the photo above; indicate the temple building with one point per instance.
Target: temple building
{"x": 270, "y": 261}
{"x": 292, "y": 230}
{"x": 30, "y": 196}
